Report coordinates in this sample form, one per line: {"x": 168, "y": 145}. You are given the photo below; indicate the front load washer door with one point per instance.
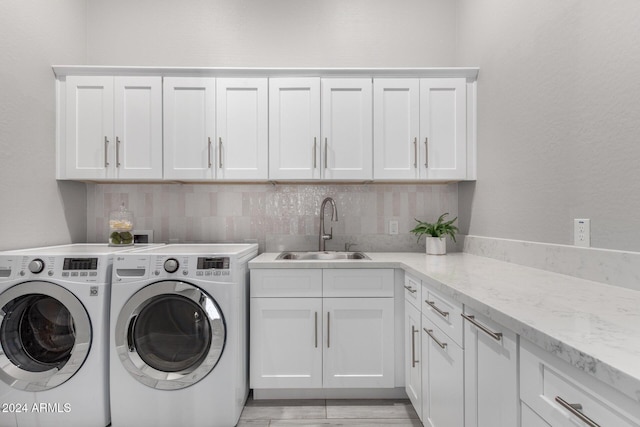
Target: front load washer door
{"x": 45, "y": 335}
{"x": 170, "y": 334}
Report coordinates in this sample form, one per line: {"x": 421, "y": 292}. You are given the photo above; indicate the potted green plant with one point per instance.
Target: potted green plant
{"x": 436, "y": 233}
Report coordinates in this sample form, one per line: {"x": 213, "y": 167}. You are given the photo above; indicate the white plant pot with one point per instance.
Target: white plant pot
{"x": 436, "y": 245}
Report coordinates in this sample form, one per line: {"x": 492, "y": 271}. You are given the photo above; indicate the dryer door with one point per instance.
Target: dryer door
{"x": 45, "y": 333}
{"x": 170, "y": 335}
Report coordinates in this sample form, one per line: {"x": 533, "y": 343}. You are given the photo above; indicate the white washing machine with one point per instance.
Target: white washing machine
{"x": 178, "y": 340}
{"x": 54, "y": 324}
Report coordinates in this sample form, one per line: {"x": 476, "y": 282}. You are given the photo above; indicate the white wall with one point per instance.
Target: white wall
{"x": 274, "y": 33}
{"x": 36, "y": 210}
{"x": 559, "y": 119}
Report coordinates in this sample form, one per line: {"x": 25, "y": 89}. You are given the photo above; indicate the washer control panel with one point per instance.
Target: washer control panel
{"x": 82, "y": 269}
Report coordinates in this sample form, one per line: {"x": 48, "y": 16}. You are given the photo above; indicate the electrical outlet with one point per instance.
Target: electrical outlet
{"x": 393, "y": 226}
{"x": 582, "y": 232}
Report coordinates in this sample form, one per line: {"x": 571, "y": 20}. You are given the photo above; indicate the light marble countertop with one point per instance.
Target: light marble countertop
{"x": 593, "y": 326}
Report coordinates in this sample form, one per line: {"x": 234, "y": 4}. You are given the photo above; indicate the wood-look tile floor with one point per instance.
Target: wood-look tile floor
{"x": 329, "y": 412}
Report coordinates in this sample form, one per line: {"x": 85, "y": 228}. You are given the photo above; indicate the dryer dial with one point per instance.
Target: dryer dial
{"x": 36, "y": 266}
{"x": 171, "y": 265}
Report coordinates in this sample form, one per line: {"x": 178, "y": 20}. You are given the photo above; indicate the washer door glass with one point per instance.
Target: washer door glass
{"x": 170, "y": 334}
{"x": 39, "y": 329}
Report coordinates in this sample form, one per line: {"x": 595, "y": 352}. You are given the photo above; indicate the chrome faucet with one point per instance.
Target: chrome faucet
{"x": 334, "y": 217}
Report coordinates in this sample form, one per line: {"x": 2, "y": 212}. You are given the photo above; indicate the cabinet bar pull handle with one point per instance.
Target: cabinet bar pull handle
{"x": 325, "y": 152}
{"x": 117, "y": 152}
{"x": 328, "y": 330}
{"x": 220, "y": 152}
{"x": 413, "y": 346}
{"x": 316, "y": 328}
{"x": 426, "y": 152}
{"x": 315, "y": 145}
{"x": 106, "y": 152}
{"x": 575, "y": 408}
{"x": 209, "y": 152}
{"x": 410, "y": 289}
{"x": 495, "y": 335}
{"x": 415, "y": 153}
{"x": 430, "y": 333}
{"x": 440, "y": 312}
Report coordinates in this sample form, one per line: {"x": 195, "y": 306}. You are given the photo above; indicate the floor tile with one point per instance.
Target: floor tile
{"x": 283, "y": 409}
{"x": 346, "y": 422}
{"x": 371, "y": 409}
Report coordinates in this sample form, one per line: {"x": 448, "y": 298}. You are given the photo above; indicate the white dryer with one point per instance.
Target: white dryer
{"x": 54, "y": 311}
{"x": 178, "y": 341}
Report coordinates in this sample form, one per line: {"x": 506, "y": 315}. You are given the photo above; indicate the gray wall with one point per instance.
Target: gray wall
{"x": 559, "y": 119}
{"x": 274, "y": 33}
{"x": 36, "y": 210}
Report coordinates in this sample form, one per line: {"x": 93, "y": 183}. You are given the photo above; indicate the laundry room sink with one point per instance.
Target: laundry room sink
{"x": 321, "y": 255}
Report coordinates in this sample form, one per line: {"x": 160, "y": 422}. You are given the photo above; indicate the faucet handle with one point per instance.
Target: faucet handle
{"x": 347, "y": 246}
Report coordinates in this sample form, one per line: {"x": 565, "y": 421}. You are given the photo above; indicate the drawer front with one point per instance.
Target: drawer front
{"x": 531, "y": 419}
{"x": 274, "y": 283}
{"x": 445, "y": 313}
{"x": 551, "y": 386}
{"x": 361, "y": 282}
{"x": 412, "y": 290}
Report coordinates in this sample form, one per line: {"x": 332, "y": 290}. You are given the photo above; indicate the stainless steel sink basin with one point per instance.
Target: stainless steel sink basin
{"x": 325, "y": 255}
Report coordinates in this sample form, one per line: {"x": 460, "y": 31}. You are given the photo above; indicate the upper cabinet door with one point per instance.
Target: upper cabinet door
{"x": 347, "y": 139}
{"x": 242, "y": 125}
{"x": 138, "y": 127}
{"x": 443, "y": 128}
{"x": 294, "y": 128}
{"x": 189, "y": 128}
{"x": 396, "y": 118}
{"x": 89, "y": 151}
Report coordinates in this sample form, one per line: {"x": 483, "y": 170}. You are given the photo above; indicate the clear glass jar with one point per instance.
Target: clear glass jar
{"x": 121, "y": 227}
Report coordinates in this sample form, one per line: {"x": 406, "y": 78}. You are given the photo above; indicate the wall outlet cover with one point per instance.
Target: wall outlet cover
{"x": 582, "y": 232}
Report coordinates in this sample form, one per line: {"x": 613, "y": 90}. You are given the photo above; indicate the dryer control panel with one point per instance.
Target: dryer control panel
{"x": 213, "y": 268}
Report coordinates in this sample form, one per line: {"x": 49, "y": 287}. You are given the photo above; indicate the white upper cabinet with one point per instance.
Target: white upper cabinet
{"x": 420, "y": 129}
{"x": 294, "y": 128}
{"x": 189, "y": 128}
{"x": 112, "y": 128}
{"x": 443, "y": 128}
{"x": 396, "y": 128}
{"x": 347, "y": 139}
{"x": 320, "y": 128}
{"x": 242, "y": 129}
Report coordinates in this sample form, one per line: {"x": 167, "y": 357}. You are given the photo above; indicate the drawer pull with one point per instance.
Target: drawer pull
{"x": 440, "y": 312}
{"x": 495, "y": 335}
{"x": 430, "y": 333}
{"x": 413, "y": 346}
{"x": 410, "y": 289}
{"x": 575, "y": 408}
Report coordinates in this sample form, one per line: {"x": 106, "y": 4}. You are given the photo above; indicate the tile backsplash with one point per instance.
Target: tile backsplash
{"x": 276, "y": 216}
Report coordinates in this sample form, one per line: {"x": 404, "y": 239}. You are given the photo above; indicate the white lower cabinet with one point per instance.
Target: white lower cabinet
{"x": 442, "y": 378}
{"x": 562, "y": 395}
{"x": 490, "y": 373}
{"x": 300, "y": 340}
{"x": 413, "y": 355}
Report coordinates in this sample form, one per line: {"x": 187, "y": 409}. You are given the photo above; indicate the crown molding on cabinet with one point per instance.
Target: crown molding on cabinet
{"x": 470, "y": 73}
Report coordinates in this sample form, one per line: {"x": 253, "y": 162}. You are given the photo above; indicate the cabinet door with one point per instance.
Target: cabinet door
{"x": 286, "y": 343}
{"x": 89, "y": 143}
{"x": 189, "y": 128}
{"x": 396, "y": 118}
{"x": 294, "y": 128}
{"x": 359, "y": 342}
{"x": 138, "y": 127}
{"x": 442, "y": 378}
{"x": 347, "y": 139}
{"x": 443, "y": 128}
{"x": 242, "y": 127}
{"x": 412, "y": 356}
{"x": 491, "y": 374}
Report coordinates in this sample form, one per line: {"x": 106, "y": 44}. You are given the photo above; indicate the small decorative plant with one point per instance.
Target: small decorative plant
{"x": 439, "y": 230}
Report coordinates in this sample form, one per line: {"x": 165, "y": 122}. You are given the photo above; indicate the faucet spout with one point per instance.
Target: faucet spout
{"x": 323, "y": 236}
